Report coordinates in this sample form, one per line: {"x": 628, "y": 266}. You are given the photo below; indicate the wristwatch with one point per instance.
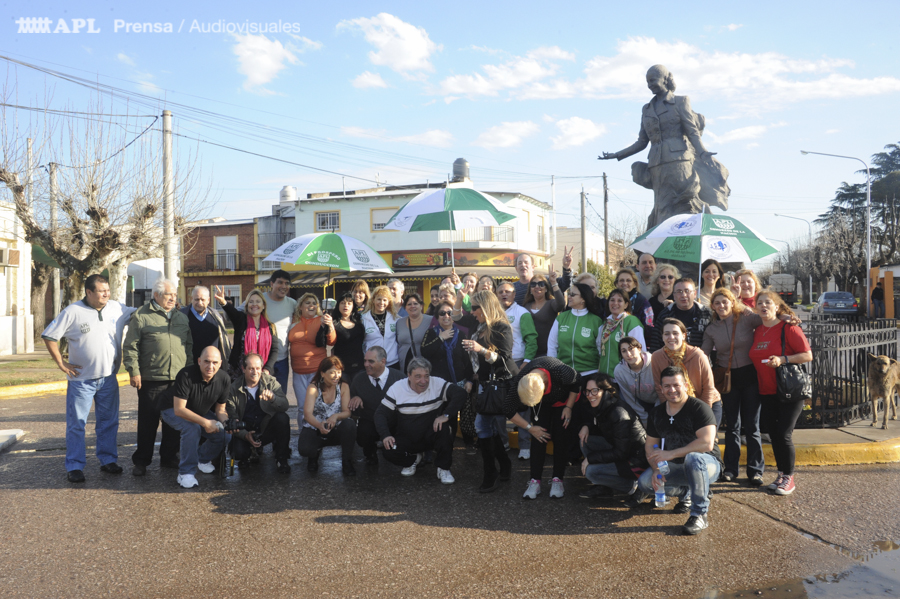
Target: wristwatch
{"x": 447, "y": 416}
{"x": 528, "y": 428}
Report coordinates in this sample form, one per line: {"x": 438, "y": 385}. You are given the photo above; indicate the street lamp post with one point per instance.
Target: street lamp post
{"x": 868, "y": 217}
{"x": 809, "y": 224}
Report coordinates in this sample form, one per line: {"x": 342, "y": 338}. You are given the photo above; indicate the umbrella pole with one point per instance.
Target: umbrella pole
{"x": 452, "y": 258}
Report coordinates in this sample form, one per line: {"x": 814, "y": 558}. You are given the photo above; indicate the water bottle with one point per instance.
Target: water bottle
{"x": 663, "y": 466}
{"x": 660, "y": 491}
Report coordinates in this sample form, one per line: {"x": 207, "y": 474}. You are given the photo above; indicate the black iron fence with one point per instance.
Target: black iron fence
{"x": 224, "y": 262}
{"x": 840, "y": 351}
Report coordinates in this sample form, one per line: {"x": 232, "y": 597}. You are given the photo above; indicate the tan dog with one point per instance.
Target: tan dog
{"x": 884, "y": 381}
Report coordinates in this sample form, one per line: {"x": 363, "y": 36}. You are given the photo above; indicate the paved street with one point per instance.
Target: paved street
{"x": 258, "y": 534}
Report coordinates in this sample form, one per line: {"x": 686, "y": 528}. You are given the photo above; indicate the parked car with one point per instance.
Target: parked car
{"x": 838, "y": 303}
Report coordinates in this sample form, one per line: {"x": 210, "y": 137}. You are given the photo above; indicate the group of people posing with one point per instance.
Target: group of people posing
{"x": 634, "y": 384}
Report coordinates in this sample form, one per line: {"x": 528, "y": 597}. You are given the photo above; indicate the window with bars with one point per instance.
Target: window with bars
{"x": 328, "y": 221}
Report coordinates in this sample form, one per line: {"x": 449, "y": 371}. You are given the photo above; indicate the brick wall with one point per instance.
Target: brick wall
{"x": 201, "y": 242}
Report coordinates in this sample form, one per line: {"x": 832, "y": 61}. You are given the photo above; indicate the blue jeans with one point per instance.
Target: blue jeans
{"x": 104, "y": 394}
{"x": 282, "y": 372}
{"x": 693, "y": 476}
{"x": 608, "y": 476}
{"x": 301, "y": 384}
{"x": 192, "y": 453}
{"x": 878, "y": 308}
{"x": 488, "y": 426}
{"x": 524, "y": 435}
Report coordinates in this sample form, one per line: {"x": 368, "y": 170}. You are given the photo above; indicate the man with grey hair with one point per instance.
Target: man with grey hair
{"x": 367, "y": 389}
{"x": 157, "y": 346}
{"x": 207, "y": 327}
{"x": 412, "y": 419}
{"x": 397, "y": 289}
{"x": 525, "y": 269}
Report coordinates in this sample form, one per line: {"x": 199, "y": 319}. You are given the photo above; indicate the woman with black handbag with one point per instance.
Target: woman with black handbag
{"x": 779, "y": 345}
{"x": 490, "y": 349}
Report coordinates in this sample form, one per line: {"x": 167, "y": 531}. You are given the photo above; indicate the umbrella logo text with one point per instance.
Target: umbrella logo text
{"x": 682, "y": 227}
{"x": 362, "y": 256}
{"x": 683, "y": 243}
{"x": 724, "y": 224}
{"x": 719, "y": 247}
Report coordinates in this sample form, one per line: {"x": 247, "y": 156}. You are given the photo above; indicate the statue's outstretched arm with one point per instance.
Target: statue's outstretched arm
{"x": 642, "y": 142}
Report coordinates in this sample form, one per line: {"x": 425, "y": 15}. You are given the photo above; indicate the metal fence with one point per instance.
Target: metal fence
{"x": 840, "y": 351}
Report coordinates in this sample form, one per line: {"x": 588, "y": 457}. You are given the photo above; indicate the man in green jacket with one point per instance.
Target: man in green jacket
{"x": 158, "y": 344}
{"x": 258, "y": 400}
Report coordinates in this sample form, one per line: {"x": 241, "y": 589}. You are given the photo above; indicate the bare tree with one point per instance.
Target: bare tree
{"x": 624, "y": 228}
{"x": 109, "y": 200}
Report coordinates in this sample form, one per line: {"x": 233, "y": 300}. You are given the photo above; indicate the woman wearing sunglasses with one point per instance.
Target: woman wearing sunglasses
{"x": 544, "y": 300}
{"x": 663, "y": 287}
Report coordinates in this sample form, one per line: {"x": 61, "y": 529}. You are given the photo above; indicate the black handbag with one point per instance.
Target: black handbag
{"x": 492, "y": 397}
{"x": 793, "y": 381}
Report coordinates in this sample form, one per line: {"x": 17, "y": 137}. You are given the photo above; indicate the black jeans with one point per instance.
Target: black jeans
{"x": 367, "y": 437}
{"x": 148, "y": 423}
{"x": 277, "y": 432}
{"x": 780, "y": 419}
{"x": 406, "y": 447}
{"x": 562, "y": 443}
{"x": 344, "y": 434}
{"x": 742, "y": 407}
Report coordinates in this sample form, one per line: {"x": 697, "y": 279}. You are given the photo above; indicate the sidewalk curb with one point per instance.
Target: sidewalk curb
{"x": 9, "y": 437}
{"x": 23, "y": 391}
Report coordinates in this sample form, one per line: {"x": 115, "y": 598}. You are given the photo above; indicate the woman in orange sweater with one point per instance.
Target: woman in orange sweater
{"x": 677, "y": 352}
{"x": 305, "y": 354}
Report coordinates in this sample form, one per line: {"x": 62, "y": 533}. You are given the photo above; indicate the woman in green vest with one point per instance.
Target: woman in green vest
{"x": 575, "y": 336}
{"x": 619, "y": 324}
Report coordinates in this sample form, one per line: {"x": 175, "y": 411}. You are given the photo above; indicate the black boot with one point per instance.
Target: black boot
{"x": 489, "y": 483}
{"x": 502, "y": 458}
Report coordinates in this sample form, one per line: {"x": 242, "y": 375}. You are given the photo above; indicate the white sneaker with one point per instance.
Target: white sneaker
{"x": 206, "y": 467}
{"x": 410, "y": 470}
{"x": 556, "y": 488}
{"x": 524, "y": 454}
{"x": 188, "y": 481}
{"x": 533, "y": 490}
{"x": 445, "y": 476}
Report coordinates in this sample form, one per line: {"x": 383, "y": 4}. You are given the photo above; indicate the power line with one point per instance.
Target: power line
{"x": 116, "y": 153}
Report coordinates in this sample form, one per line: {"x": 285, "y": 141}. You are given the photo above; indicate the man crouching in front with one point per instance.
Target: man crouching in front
{"x": 681, "y": 432}
{"x": 412, "y": 419}
{"x": 187, "y": 407}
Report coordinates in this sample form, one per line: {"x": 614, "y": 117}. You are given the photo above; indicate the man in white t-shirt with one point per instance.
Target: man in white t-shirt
{"x": 94, "y": 327}
{"x": 280, "y": 310}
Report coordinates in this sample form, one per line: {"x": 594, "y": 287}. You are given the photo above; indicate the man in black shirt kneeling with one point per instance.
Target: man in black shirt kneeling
{"x": 684, "y": 431}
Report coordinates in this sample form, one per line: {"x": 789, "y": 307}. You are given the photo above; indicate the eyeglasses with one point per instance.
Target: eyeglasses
{"x": 445, "y": 313}
{"x": 594, "y": 391}
{"x": 537, "y": 284}
{"x": 667, "y": 277}
{"x": 474, "y": 307}
{"x": 684, "y": 291}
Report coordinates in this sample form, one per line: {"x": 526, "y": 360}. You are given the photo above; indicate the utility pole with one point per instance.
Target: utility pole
{"x": 584, "y": 266}
{"x": 553, "y": 203}
{"x": 170, "y": 249}
{"x": 54, "y": 225}
{"x": 605, "y": 221}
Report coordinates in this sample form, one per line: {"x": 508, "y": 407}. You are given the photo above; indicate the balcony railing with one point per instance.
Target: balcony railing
{"x": 271, "y": 241}
{"x": 501, "y": 234}
{"x": 224, "y": 262}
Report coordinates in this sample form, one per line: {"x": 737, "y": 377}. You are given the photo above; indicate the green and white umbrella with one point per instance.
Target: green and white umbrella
{"x": 449, "y": 209}
{"x": 331, "y": 251}
{"x": 697, "y": 237}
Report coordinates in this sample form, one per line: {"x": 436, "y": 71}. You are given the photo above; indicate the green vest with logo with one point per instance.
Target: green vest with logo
{"x": 577, "y": 340}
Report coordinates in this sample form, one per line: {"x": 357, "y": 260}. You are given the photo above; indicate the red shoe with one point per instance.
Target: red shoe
{"x": 786, "y": 486}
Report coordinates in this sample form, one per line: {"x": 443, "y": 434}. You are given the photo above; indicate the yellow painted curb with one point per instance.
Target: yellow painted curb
{"x": 20, "y": 391}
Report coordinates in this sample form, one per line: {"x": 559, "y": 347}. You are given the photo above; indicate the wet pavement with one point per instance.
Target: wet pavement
{"x": 378, "y": 534}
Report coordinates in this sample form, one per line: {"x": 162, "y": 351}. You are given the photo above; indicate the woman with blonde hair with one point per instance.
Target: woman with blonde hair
{"x": 663, "y": 282}
{"x": 750, "y": 287}
{"x": 253, "y": 333}
{"x": 380, "y": 324}
{"x": 306, "y": 353}
{"x": 490, "y": 349}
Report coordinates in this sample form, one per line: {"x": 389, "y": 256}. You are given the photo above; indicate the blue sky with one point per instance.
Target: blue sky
{"x": 521, "y": 90}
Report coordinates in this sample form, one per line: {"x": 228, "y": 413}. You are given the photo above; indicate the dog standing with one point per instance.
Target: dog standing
{"x": 883, "y": 381}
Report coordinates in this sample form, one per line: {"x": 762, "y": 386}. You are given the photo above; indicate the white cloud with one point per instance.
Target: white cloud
{"x": 369, "y": 79}
{"x": 832, "y": 131}
{"x": 506, "y": 135}
{"x": 518, "y": 72}
{"x": 435, "y": 138}
{"x": 742, "y": 133}
{"x": 576, "y": 131}
{"x": 260, "y": 60}
{"x": 305, "y": 44}
{"x": 121, "y": 57}
{"x": 400, "y": 46}
{"x": 734, "y": 27}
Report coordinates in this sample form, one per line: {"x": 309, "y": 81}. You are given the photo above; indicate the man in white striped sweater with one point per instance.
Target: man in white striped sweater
{"x": 412, "y": 419}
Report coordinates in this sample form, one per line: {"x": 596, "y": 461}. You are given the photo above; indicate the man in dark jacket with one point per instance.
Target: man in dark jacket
{"x": 686, "y": 309}
{"x": 207, "y": 327}
{"x": 367, "y": 389}
{"x": 612, "y": 440}
{"x": 157, "y": 346}
{"x": 258, "y": 400}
